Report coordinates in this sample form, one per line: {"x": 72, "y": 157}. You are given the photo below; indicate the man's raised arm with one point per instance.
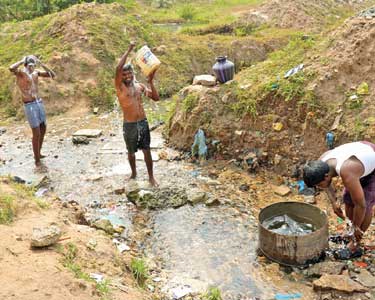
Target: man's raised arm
{"x": 13, "y": 68}
{"x": 121, "y": 63}
{"x": 47, "y": 71}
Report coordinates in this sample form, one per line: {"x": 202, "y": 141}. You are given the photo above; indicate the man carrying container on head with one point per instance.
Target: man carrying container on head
{"x": 27, "y": 82}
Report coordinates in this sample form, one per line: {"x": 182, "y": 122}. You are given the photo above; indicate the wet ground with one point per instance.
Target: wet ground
{"x": 192, "y": 246}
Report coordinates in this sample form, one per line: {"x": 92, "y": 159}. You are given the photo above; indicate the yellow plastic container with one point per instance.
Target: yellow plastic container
{"x": 146, "y": 60}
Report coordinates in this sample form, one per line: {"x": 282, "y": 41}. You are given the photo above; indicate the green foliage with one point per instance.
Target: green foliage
{"x": 189, "y": 102}
{"x": 139, "y": 270}
{"x": 267, "y": 78}
{"x": 162, "y": 3}
{"x": 103, "y": 93}
{"x": 213, "y": 293}
{"x": 7, "y": 209}
{"x": 187, "y": 12}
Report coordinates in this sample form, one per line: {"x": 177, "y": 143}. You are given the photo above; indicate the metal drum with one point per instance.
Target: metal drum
{"x": 293, "y": 250}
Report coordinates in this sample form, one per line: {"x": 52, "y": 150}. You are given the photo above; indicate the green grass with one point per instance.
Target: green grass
{"x": 267, "y": 78}
{"x": 139, "y": 271}
{"x": 213, "y": 293}
{"x": 7, "y": 209}
{"x": 69, "y": 261}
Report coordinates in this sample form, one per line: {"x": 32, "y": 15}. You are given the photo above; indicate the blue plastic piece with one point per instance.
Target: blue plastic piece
{"x": 288, "y": 296}
{"x": 199, "y": 146}
{"x": 330, "y": 140}
{"x": 301, "y": 186}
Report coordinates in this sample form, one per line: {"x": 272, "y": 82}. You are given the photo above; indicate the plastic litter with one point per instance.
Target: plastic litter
{"x": 293, "y": 71}
{"x": 199, "y": 146}
{"x": 39, "y": 193}
{"x": 288, "y": 296}
{"x": 181, "y": 291}
{"x": 97, "y": 277}
{"x": 277, "y": 126}
{"x": 330, "y": 140}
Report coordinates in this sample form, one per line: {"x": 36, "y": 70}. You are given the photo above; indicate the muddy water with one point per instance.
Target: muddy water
{"x": 202, "y": 246}
{"x": 288, "y": 224}
{"x": 195, "y": 246}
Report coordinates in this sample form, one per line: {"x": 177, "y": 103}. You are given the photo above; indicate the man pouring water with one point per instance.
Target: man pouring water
{"x": 135, "y": 127}
{"x": 354, "y": 163}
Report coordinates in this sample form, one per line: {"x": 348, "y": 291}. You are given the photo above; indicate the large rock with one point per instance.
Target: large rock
{"x": 366, "y": 279}
{"x": 327, "y": 267}
{"x": 104, "y": 225}
{"x": 206, "y": 80}
{"x": 90, "y": 133}
{"x": 340, "y": 283}
{"x": 44, "y": 237}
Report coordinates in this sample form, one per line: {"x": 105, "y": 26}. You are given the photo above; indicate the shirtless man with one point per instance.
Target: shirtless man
{"x": 135, "y": 128}
{"x": 355, "y": 164}
{"x": 27, "y": 81}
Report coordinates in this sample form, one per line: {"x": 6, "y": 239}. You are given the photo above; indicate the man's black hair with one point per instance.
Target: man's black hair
{"x": 314, "y": 172}
{"x": 29, "y": 60}
{"x": 128, "y": 67}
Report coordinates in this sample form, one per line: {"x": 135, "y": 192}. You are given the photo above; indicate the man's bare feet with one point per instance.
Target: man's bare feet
{"x": 42, "y": 156}
{"x": 132, "y": 176}
{"x": 153, "y": 182}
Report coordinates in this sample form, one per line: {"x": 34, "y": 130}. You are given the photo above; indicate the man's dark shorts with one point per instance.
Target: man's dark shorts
{"x": 368, "y": 186}
{"x": 137, "y": 135}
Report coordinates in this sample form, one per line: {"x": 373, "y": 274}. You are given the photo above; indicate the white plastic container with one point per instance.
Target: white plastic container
{"x": 146, "y": 60}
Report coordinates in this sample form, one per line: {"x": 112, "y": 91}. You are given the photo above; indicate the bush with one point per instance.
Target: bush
{"x": 139, "y": 270}
{"x": 187, "y": 12}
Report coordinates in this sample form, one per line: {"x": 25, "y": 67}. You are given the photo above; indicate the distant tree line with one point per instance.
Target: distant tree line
{"x": 18, "y": 10}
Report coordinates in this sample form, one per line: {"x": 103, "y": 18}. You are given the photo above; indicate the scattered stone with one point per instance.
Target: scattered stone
{"x": 281, "y": 190}
{"x": 91, "y": 244}
{"x": 119, "y": 191}
{"x": 195, "y": 197}
{"x": 90, "y": 133}
{"x": 339, "y": 283}
{"x": 309, "y": 199}
{"x": 205, "y": 80}
{"x": 327, "y": 267}
{"x": 77, "y": 140}
{"x": 44, "y": 237}
{"x": 277, "y": 159}
{"x": 2, "y": 130}
{"x": 244, "y": 187}
{"x": 132, "y": 192}
{"x": 366, "y": 279}
{"x": 180, "y": 292}
{"x": 368, "y": 13}
{"x": 213, "y": 202}
{"x": 95, "y": 110}
{"x": 160, "y": 49}
{"x": 104, "y": 225}
{"x": 336, "y": 123}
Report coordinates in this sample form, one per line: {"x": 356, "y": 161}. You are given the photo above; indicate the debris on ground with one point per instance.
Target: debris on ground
{"x": 199, "y": 146}
{"x": 293, "y": 71}
{"x": 77, "y": 140}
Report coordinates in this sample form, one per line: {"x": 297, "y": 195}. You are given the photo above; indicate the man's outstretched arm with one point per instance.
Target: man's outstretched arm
{"x": 121, "y": 64}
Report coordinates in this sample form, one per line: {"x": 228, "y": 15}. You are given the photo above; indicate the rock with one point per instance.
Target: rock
{"x": 119, "y": 191}
{"x": 309, "y": 199}
{"x": 340, "y": 283}
{"x": 2, "y": 130}
{"x": 205, "y": 80}
{"x": 90, "y": 133}
{"x": 244, "y": 187}
{"x": 104, "y": 225}
{"x": 328, "y": 267}
{"x": 43, "y": 237}
{"x": 365, "y": 278}
{"x": 281, "y": 190}
{"x": 277, "y": 159}
{"x": 195, "y": 197}
{"x": 181, "y": 291}
{"x": 80, "y": 140}
{"x": 132, "y": 192}
{"x": 95, "y": 110}
{"x": 160, "y": 49}
{"x": 213, "y": 202}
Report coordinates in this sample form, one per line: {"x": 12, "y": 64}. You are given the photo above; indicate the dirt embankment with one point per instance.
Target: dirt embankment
{"x": 338, "y": 79}
{"x": 60, "y": 271}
